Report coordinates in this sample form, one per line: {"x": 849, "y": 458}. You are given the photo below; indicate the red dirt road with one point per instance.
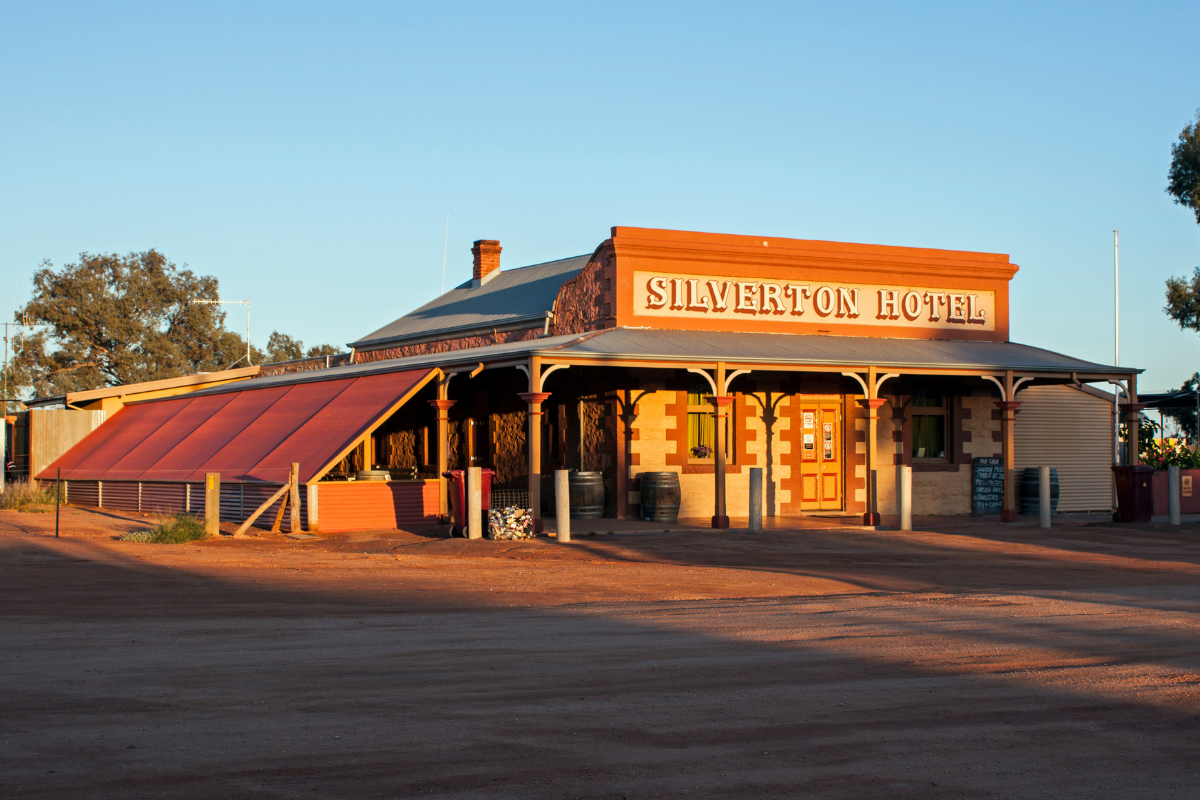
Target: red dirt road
{"x": 971, "y": 661}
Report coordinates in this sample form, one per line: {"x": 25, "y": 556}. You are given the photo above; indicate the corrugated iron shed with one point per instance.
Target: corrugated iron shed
{"x": 246, "y": 434}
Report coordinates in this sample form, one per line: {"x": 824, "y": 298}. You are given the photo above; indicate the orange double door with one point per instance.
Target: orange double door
{"x": 821, "y": 456}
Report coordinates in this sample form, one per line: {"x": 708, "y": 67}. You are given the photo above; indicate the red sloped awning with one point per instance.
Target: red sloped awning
{"x": 246, "y": 435}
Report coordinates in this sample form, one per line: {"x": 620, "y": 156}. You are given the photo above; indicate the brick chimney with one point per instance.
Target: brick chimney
{"x": 487, "y": 261}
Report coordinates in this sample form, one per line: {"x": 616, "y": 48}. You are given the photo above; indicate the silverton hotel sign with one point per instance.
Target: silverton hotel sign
{"x": 712, "y": 296}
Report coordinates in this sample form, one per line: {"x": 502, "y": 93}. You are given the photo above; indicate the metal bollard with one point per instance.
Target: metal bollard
{"x": 756, "y": 500}
{"x": 1044, "y": 495}
{"x": 905, "y": 498}
{"x": 1173, "y": 494}
{"x": 874, "y": 493}
{"x": 562, "y": 505}
{"x": 474, "y": 503}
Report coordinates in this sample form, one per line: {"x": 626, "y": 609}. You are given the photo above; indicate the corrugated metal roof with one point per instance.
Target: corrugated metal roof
{"x": 828, "y": 350}
{"x": 510, "y": 296}
{"x": 708, "y": 346}
{"x": 125, "y": 389}
{"x": 244, "y": 434}
{"x": 495, "y": 352}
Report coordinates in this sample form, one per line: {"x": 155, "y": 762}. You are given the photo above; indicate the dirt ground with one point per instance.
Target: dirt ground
{"x": 966, "y": 660}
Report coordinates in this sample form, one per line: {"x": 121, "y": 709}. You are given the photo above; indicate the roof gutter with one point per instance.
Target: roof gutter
{"x": 734, "y": 359}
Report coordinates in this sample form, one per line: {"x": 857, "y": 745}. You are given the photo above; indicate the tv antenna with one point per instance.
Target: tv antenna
{"x": 12, "y": 333}
{"x": 245, "y": 303}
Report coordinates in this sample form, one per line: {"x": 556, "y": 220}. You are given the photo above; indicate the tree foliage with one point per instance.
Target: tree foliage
{"x": 1183, "y": 179}
{"x": 107, "y": 320}
{"x": 1185, "y": 418}
{"x": 1183, "y": 301}
{"x": 281, "y": 347}
{"x": 113, "y": 319}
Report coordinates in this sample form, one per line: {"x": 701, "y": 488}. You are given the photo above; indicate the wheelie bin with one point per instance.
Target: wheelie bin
{"x": 457, "y": 489}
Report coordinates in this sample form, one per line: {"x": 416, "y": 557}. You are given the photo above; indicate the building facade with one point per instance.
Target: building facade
{"x": 828, "y": 365}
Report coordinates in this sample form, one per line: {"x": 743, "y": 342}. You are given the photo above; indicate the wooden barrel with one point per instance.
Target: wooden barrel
{"x": 587, "y": 494}
{"x": 660, "y": 496}
{"x": 1029, "y": 499}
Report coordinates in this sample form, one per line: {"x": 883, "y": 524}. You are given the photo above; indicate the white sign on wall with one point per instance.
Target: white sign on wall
{"x": 703, "y": 296}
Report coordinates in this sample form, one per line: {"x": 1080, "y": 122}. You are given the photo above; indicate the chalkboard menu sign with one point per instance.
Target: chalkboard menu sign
{"x": 987, "y": 485}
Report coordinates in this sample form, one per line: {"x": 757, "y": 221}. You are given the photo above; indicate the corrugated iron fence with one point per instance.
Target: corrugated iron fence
{"x": 343, "y": 506}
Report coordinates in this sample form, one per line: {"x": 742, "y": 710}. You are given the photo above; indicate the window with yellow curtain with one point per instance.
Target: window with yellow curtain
{"x": 702, "y": 436}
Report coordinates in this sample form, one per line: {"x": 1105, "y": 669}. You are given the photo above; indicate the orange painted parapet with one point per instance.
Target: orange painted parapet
{"x": 681, "y": 280}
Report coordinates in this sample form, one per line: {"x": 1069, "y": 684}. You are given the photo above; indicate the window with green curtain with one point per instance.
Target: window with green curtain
{"x": 928, "y": 397}
{"x": 929, "y": 436}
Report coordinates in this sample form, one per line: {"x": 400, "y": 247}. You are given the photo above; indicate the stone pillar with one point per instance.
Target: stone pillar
{"x": 872, "y": 405}
{"x": 1008, "y": 419}
{"x": 535, "y": 400}
{"x": 720, "y": 413}
{"x": 443, "y": 406}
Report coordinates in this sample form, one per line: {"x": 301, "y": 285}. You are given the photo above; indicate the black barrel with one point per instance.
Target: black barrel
{"x": 587, "y": 494}
{"x": 1030, "y": 501}
{"x": 660, "y": 496}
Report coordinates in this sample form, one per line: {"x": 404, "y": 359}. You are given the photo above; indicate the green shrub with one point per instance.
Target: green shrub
{"x": 27, "y": 496}
{"x": 178, "y": 529}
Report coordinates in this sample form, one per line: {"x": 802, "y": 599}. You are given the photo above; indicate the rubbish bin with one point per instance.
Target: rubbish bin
{"x": 1135, "y": 493}
{"x": 457, "y": 489}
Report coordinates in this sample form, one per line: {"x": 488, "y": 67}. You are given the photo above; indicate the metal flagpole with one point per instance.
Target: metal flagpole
{"x": 1116, "y": 353}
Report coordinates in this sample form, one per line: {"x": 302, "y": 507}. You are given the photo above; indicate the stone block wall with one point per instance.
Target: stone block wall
{"x": 657, "y": 448}
{"x": 937, "y": 489}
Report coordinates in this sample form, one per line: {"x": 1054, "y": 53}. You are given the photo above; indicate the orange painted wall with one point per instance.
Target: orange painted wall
{"x": 366, "y": 505}
{"x": 761, "y": 258}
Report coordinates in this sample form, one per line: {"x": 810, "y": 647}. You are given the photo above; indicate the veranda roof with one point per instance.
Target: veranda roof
{"x": 617, "y": 345}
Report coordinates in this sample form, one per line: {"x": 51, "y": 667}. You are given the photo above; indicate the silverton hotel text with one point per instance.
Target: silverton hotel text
{"x": 717, "y": 296}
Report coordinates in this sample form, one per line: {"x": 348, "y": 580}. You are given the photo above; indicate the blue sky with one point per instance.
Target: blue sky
{"x": 307, "y": 154}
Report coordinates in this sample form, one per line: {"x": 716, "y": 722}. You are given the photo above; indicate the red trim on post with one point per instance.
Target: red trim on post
{"x": 1008, "y": 418}
{"x": 871, "y": 518}
{"x": 720, "y": 519}
{"x": 535, "y": 400}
